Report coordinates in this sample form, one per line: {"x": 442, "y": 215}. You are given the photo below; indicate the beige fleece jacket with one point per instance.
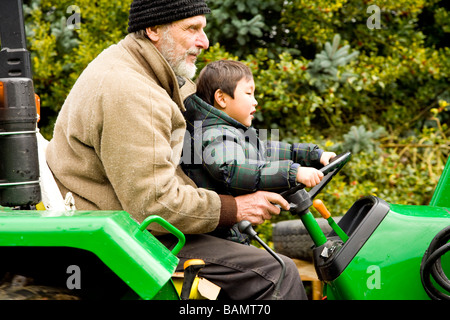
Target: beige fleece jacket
{"x": 118, "y": 139}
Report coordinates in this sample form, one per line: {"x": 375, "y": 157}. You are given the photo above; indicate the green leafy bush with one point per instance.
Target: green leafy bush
{"x": 322, "y": 75}
{"x": 62, "y": 42}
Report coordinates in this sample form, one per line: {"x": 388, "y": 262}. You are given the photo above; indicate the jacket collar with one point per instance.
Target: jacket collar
{"x": 155, "y": 66}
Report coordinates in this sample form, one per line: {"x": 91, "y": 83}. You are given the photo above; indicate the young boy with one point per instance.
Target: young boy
{"x": 226, "y": 154}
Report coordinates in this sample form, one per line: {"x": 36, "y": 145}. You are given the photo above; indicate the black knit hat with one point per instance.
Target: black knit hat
{"x": 149, "y": 13}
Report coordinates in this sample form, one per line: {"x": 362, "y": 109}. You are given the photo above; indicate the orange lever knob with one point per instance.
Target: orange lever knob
{"x": 318, "y": 204}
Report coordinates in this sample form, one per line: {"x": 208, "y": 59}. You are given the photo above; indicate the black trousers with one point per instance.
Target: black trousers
{"x": 243, "y": 272}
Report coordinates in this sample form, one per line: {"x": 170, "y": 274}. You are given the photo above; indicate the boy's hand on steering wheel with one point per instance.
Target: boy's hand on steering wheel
{"x": 309, "y": 176}
{"x": 326, "y": 157}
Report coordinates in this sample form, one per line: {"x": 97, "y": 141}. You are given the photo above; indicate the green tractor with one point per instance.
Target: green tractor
{"x": 377, "y": 251}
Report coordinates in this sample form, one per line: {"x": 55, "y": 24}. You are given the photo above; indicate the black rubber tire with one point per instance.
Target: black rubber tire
{"x": 291, "y": 238}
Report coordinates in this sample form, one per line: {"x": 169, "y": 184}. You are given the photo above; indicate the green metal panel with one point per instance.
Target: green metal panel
{"x": 441, "y": 195}
{"x": 388, "y": 265}
{"x": 131, "y": 252}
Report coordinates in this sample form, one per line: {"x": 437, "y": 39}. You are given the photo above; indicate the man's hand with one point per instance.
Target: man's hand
{"x": 259, "y": 206}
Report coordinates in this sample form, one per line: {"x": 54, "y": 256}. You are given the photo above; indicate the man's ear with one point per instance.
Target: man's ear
{"x": 220, "y": 99}
{"x": 153, "y": 33}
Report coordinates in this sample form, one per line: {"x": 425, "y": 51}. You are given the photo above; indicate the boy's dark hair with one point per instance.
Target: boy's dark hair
{"x": 223, "y": 75}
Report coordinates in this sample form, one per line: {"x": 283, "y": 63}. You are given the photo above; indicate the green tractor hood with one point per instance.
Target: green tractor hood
{"x": 127, "y": 248}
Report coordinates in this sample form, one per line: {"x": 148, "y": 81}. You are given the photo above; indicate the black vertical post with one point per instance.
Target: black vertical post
{"x": 19, "y": 164}
{"x": 14, "y": 56}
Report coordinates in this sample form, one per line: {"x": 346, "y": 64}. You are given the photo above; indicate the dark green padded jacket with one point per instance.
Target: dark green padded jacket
{"x": 223, "y": 155}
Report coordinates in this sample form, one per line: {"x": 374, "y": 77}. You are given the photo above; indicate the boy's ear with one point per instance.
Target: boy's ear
{"x": 220, "y": 99}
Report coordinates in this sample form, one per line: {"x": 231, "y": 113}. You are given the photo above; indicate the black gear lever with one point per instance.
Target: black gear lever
{"x": 246, "y": 227}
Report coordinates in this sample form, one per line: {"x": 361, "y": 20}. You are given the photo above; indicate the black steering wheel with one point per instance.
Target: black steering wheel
{"x": 301, "y": 200}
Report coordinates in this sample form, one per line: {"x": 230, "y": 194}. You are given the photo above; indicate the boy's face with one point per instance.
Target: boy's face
{"x": 243, "y": 106}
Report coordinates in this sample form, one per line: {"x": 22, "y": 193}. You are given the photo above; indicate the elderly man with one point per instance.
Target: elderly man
{"x": 118, "y": 141}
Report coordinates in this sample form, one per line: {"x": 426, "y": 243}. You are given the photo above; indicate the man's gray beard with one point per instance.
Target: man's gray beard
{"x": 179, "y": 64}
